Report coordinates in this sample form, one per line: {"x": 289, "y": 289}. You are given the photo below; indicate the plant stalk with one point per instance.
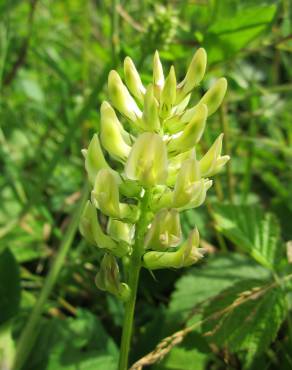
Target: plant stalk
{"x": 133, "y": 280}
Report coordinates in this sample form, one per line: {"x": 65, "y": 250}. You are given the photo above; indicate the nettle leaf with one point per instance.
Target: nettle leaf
{"x": 191, "y": 354}
{"x": 201, "y": 283}
{"x": 73, "y": 343}
{"x": 246, "y": 316}
{"x": 9, "y": 286}
{"x": 249, "y": 228}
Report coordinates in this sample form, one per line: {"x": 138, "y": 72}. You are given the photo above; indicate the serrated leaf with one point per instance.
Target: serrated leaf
{"x": 252, "y": 230}
{"x": 181, "y": 358}
{"x": 192, "y": 354}
{"x": 246, "y": 316}
{"x": 202, "y": 283}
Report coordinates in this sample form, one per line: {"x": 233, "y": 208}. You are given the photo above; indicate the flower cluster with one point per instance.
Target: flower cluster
{"x": 151, "y": 154}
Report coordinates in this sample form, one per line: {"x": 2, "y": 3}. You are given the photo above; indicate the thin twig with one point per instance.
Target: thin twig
{"x": 126, "y": 16}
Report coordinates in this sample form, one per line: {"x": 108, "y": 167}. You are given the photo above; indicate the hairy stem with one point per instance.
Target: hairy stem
{"x": 134, "y": 272}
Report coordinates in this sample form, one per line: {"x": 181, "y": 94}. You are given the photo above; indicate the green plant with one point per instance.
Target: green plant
{"x": 151, "y": 175}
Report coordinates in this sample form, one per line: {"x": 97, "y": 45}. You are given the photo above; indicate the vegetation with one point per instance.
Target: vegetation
{"x": 232, "y": 309}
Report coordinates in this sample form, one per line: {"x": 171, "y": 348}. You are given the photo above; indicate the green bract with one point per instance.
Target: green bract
{"x": 149, "y": 135}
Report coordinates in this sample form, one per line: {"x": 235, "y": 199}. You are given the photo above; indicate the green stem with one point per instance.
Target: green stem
{"x": 30, "y": 331}
{"x": 134, "y": 272}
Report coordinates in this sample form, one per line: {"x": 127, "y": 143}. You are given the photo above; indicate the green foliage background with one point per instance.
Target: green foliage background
{"x": 54, "y": 61}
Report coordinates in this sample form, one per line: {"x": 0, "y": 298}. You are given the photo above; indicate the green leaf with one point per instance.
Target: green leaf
{"x": 7, "y": 347}
{"x": 252, "y": 230}
{"x": 73, "y": 343}
{"x": 9, "y": 286}
{"x": 246, "y": 316}
{"x": 230, "y": 34}
{"x": 192, "y": 354}
{"x": 202, "y": 283}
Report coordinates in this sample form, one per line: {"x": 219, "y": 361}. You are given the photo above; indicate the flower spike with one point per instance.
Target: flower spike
{"x": 151, "y": 172}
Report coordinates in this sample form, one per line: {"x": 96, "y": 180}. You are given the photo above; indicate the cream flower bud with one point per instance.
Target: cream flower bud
{"x": 150, "y": 114}
{"x": 190, "y": 189}
{"x": 212, "y": 162}
{"x": 147, "y": 161}
{"x": 168, "y": 94}
{"x": 165, "y": 230}
{"x": 120, "y": 231}
{"x": 105, "y": 196}
{"x": 187, "y": 183}
{"x": 191, "y": 134}
{"x": 133, "y": 79}
{"x": 175, "y": 164}
{"x": 108, "y": 278}
{"x": 215, "y": 95}
{"x": 212, "y": 98}
{"x": 189, "y": 250}
{"x": 187, "y": 254}
{"x": 94, "y": 159}
{"x": 194, "y": 75}
{"x": 158, "y": 76}
{"x": 121, "y": 98}
{"x": 91, "y": 230}
{"x": 112, "y": 134}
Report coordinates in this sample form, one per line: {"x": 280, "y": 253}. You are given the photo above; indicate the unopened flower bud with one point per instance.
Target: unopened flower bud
{"x": 212, "y": 162}
{"x": 165, "y": 230}
{"x": 187, "y": 254}
{"x": 191, "y": 134}
{"x": 190, "y": 190}
{"x": 91, "y": 230}
{"x": 120, "y": 231}
{"x": 133, "y": 79}
{"x": 215, "y": 95}
{"x": 194, "y": 75}
{"x": 94, "y": 159}
{"x": 158, "y": 76}
{"x": 175, "y": 164}
{"x": 150, "y": 114}
{"x": 147, "y": 161}
{"x": 187, "y": 183}
{"x": 105, "y": 196}
{"x": 168, "y": 94}
{"x": 121, "y": 97}
{"x": 108, "y": 278}
{"x": 112, "y": 134}
{"x": 189, "y": 251}
{"x": 213, "y": 99}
